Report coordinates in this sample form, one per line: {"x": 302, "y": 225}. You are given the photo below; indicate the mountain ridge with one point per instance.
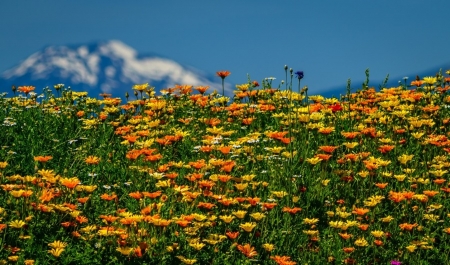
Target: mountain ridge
{"x": 102, "y": 67}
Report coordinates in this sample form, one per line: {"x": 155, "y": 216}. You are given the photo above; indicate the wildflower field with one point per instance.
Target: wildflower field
{"x": 185, "y": 175}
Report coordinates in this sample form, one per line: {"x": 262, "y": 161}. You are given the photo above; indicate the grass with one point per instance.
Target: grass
{"x": 188, "y": 176}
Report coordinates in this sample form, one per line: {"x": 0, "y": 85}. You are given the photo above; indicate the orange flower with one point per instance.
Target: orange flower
{"x": 206, "y": 184}
{"x": 328, "y": 148}
{"x": 223, "y": 74}
{"x": 396, "y": 196}
{"x": 269, "y": 205}
{"x": 253, "y": 201}
{"x": 81, "y": 219}
{"x": 131, "y": 138}
{"x": 70, "y": 183}
{"x": 212, "y": 121}
{"x": 182, "y": 223}
{"x": 363, "y": 227}
{"x": 25, "y": 89}
{"x": 225, "y": 149}
{"x": 247, "y": 250}
{"x": 153, "y": 158}
{"x": 447, "y": 190}
{"x": 439, "y": 181}
{"x": 360, "y": 211}
{"x": 198, "y": 164}
{"x": 417, "y": 83}
{"x": 381, "y": 185}
{"x": 135, "y": 195}
{"x": 352, "y": 157}
{"x": 406, "y": 226}
{"x": 349, "y": 249}
{"x": 349, "y": 135}
{"x": 283, "y": 260}
{"x": 42, "y": 159}
{"x": 67, "y": 224}
{"x": 83, "y": 200}
{"x": 378, "y": 242}
{"x": 92, "y": 160}
{"x": 108, "y": 197}
{"x": 430, "y": 193}
{"x": 202, "y": 89}
{"x": 326, "y": 130}
{"x": 386, "y": 148}
{"x": 408, "y": 194}
{"x": 224, "y": 178}
{"x": 205, "y": 205}
{"x": 291, "y": 210}
{"x": 3, "y": 226}
{"x": 152, "y": 195}
{"x": 247, "y": 121}
{"x": 345, "y": 235}
{"x": 228, "y": 166}
{"x": 324, "y": 157}
{"x": 232, "y": 235}
{"x": 340, "y": 201}
{"x": 109, "y": 218}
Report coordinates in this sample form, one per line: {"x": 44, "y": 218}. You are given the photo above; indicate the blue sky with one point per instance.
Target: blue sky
{"x": 330, "y": 41}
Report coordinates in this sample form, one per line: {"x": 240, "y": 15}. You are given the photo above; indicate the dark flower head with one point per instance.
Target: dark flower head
{"x": 299, "y": 74}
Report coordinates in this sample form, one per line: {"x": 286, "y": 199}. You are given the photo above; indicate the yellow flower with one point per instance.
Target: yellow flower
{"x": 240, "y": 214}
{"x": 248, "y": 227}
{"x": 350, "y": 145}
{"x": 411, "y": 248}
{"x": 186, "y": 261}
{"x": 310, "y": 221}
{"x": 405, "y": 158}
{"x": 141, "y": 87}
{"x": 124, "y": 250}
{"x": 387, "y": 219}
{"x": 57, "y": 244}
{"x": 325, "y": 182}
{"x": 279, "y": 194}
{"x": 197, "y": 245}
{"x": 268, "y": 247}
{"x": 241, "y": 186}
{"x": 28, "y": 262}
{"x": 361, "y": 242}
{"x": 314, "y": 160}
{"x": 431, "y": 217}
{"x": 311, "y": 232}
{"x": 13, "y": 258}
{"x": 227, "y": 218}
{"x": 430, "y": 80}
{"x": 16, "y": 193}
{"x": 400, "y": 177}
{"x": 199, "y": 217}
{"x": 377, "y": 233}
{"x": 257, "y": 216}
{"x": 17, "y": 224}
{"x": 3, "y": 165}
{"x": 56, "y": 251}
{"x": 417, "y": 135}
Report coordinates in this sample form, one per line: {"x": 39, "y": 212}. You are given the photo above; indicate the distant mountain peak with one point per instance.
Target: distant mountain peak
{"x": 101, "y": 67}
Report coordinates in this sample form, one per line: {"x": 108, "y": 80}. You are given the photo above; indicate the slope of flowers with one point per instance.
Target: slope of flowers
{"x": 191, "y": 177}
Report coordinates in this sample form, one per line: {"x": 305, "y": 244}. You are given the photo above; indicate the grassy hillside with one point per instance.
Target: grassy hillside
{"x": 191, "y": 177}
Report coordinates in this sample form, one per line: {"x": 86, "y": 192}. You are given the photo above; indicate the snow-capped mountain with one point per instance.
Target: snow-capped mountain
{"x": 102, "y": 67}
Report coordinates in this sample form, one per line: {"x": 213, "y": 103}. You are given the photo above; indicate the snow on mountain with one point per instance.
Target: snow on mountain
{"x": 103, "y": 67}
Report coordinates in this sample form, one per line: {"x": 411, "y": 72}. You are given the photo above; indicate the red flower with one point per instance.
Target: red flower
{"x": 336, "y": 107}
